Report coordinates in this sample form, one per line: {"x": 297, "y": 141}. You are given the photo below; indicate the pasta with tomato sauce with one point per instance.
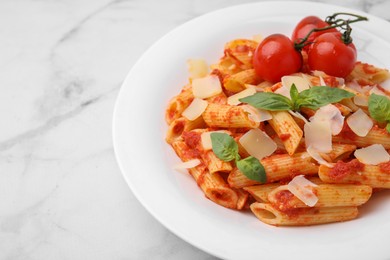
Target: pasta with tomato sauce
{"x": 305, "y": 150}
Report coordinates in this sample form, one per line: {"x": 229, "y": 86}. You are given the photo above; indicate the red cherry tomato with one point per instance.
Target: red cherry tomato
{"x": 331, "y": 55}
{"x": 306, "y": 25}
{"x": 275, "y": 57}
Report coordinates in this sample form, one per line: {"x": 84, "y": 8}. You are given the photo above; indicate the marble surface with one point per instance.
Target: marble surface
{"x": 62, "y": 63}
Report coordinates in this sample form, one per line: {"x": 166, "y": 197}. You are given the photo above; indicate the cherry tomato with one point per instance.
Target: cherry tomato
{"x": 306, "y": 25}
{"x": 331, "y": 55}
{"x": 275, "y": 57}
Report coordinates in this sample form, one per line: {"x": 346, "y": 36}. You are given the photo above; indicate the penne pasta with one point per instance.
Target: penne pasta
{"x": 302, "y": 216}
{"x": 277, "y": 167}
{"x": 287, "y": 129}
{"x": 277, "y": 150}
{"x": 376, "y": 176}
{"x": 226, "y": 116}
{"x": 329, "y": 195}
{"x": 213, "y": 185}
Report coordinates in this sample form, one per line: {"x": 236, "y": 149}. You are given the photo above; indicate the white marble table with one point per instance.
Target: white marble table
{"x": 62, "y": 63}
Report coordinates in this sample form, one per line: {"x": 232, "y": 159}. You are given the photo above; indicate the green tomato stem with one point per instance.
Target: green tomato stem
{"x": 339, "y": 23}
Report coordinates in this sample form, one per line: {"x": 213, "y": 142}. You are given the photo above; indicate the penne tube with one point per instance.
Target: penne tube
{"x": 221, "y": 98}
{"x": 227, "y": 66}
{"x": 260, "y": 192}
{"x": 376, "y": 176}
{"x": 339, "y": 152}
{"x": 227, "y": 116}
{"x": 242, "y": 198}
{"x": 368, "y": 74}
{"x": 213, "y": 185}
{"x": 375, "y": 136}
{"x": 302, "y": 216}
{"x": 287, "y": 130}
{"x": 214, "y": 164}
{"x": 242, "y": 50}
{"x": 178, "y": 104}
{"x": 329, "y": 195}
{"x": 277, "y": 167}
{"x": 236, "y": 82}
{"x": 179, "y": 125}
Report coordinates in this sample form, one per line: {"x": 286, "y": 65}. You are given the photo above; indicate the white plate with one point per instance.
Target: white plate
{"x": 175, "y": 200}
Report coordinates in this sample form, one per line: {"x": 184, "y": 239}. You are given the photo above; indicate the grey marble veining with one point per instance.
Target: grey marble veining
{"x": 61, "y": 66}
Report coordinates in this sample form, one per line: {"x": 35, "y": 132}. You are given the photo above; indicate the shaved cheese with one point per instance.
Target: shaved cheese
{"x": 257, "y": 115}
{"x": 197, "y": 68}
{"x": 195, "y": 109}
{"x": 373, "y": 154}
{"x": 234, "y": 99}
{"x": 386, "y": 85}
{"x": 360, "y": 100}
{"x": 322, "y": 81}
{"x": 332, "y": 114}
{"x": 206, "y": 139}
{"x": 186, "y": 165}
{"x": 318, "y": 135}
{"x": 316, "y": 156}
{"x": 206, "y": 87}
{"x": 284, "y": 91}
{"x": 257, "y": 143}
{"x": 302, "y": 188}
{"x": 377, "y": 91}
{"x": 300, "y": 82}
{"x": 356, "y": 87}
{"x": 298, "y": 115}
{"x": 360, "y": 123}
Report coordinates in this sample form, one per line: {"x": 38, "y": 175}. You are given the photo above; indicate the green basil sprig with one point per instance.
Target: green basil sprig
{"x": 314, "y": 98}
{"x": 226, "y": 149}
{"x": 379, "y": 108}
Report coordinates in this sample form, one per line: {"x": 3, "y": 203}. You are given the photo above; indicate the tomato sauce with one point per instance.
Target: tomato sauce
{"x": 384, "y": 167}
{"x": 284, "y": 137}
{"x": 191, "y": 139}
{"x": 283, "y": 198}
{"x": 343, "y": 169}
{"x": 347, "y": 133}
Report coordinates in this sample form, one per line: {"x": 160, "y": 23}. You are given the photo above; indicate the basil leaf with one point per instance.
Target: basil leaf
{"x": 318, "y": 96}
{"x": 294, "y": 93}
{"x": 379, "y": 108}
{"x": 252, "y": 169}
{"x": 268, "y": 101}
{"x": 224, "y": 146}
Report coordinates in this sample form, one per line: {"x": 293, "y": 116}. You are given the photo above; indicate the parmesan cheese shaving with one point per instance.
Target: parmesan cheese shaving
{"x": 303, "y": 190}
{"x": 360, "y": 123}
{"x": 360, "y": 100}
{"x": 386, "y": 85}
{"x": 300, "y": 82}
{"x": 377, "y": 91}
{"x": 373, "y": 154}
{"x": 284, "y": 91}
{"x": 257, "y": 115}
{"x": 316, "y": 156}
{"x": 206, "y": 87}
{"x": 234, "y": 99}
{"x": 322, "y": 81}
{"x": 186, "y": 165}
{"x": 195, "y": 109}
{"x": 298, "y": 115}
{"x": 257, "y": 143}
{"x": 318, "y": 135}
{"x": 331, "y": 114}
{"x": 197, "y": 68}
